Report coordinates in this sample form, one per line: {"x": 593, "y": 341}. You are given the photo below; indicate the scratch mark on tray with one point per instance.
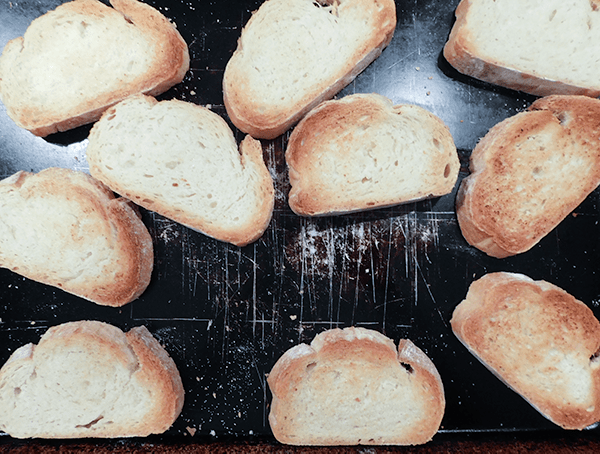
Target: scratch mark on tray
{"x": 254, "y": 295}
{"x": 357, "y": 279}
{"x": 428, "y": 287}
{"x": 387, "y": 275}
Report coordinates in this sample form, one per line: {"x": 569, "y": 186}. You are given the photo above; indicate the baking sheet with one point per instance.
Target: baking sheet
{"x": 225, "y": 314}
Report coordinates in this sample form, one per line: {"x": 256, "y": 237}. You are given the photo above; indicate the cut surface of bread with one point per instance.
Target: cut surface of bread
{"x": 352, "y": 387}
{"x": 539, "y": 340}
{"x": 90, "y": 379}
{"x": 293, "y": 54}
{"x": 75, "y": 61}
{"x": 182, "y": 161}
{"x": 361, "y": 152}
{"x": 528, "y": 173}
{"x": 542, "y": 47}
{"x": 63, "y": 228}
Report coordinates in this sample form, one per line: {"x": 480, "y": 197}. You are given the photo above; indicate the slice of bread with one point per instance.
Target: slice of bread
{"x": 351, "y": 387}
{"x": 539, "y": 340}
{"x": 294, "y": 54}
{"x": 79, "y": 59}
{"x": 63, "y": 228}
{"x": 362, "y": 152}
{"x": 528, "y": 173}
{"x": 182, "y": 161}
{"x": 536, "y": 46}
{"x": 89, "y": 379}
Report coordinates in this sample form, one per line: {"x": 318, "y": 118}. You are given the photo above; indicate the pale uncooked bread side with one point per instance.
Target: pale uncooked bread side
{"x": 88, "y": 379}
{"x": 181, "y": 160}
{"x": 352, "y": 387}
{"x": 539, "y": 340}
{"x": 63, "y": 228}
{"x": 528, "y": 173}
{"x": 76, "y": 61}
{"x": 542, "y": 47}
{"x": 361, "y": 152}
{"x": 294, "y": 54}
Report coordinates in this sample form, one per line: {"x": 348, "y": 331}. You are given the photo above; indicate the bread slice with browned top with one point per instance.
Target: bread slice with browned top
{"x": 64, "y": 228}
{"x": 352, "y": 387}
{"x": 539, "y": 340}
{"x": 182, "y": 161}
{"x": 362, "y": 152}
{"x": 76, "y": 61}
{"x": 542, "y": 47}
{"x": 89, "y": 379}
{"x": 294, "y": 54}
{"x": 528, "y": 173}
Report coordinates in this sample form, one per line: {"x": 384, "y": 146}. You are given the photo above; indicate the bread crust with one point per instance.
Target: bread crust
{"x": 244, "y": 98}
{"x": 360, "y": 363}
{"x": 361, "y": 152}
{"x": 539, "y": 340}
{"x": 85, "y": 220}
{"x": 463, "y": 53}
{"x": 142, "y": 370}
{"x": 170, "y": 62}
{"x": 528, "y": 173}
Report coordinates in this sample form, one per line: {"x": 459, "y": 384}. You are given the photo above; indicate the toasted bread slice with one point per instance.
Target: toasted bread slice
{"x": 63, "y": 228}
{"x": 536, "y": 46}
{"x": 181, "y": 160}
{"x": 528, "y": 173}
{"x": 79, "y": 59}
{"x": 361, "y": 152}
{"x": 89, "y": 379}
{"x": 351, "y": 387}
{"x": 294, "y": 54}
{"x": 539, "y": 340}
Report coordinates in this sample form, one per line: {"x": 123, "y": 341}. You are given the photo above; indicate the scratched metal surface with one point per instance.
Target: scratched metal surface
{"x": 225, "y": 314}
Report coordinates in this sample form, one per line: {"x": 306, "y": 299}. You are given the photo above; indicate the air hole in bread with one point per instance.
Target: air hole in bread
{"x": 408, "y": 367}
{"x": 90, "y": 424}
{"x": 552, "y": 14}
{"x": 17, "y": 391}
{"x": 595, "y": 356}
{"x": 128, "y": 19}
{"x": 447, "y": 171}
{"x": 310, "y": 366}
{"x": 330, "y": 5}
{"x": 563, "y": 118}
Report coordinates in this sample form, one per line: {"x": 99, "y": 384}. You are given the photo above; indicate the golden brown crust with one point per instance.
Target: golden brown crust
{"x": 528, "y": 173}
{"x": 539, "y": 340}
{"x": 461, "y": 52}
{"x": 242, "y": 101}
{"x": 170, "y": 65}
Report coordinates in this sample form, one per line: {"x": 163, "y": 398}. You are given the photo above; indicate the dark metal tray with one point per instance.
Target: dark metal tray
{"x": 226, "y": 314}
